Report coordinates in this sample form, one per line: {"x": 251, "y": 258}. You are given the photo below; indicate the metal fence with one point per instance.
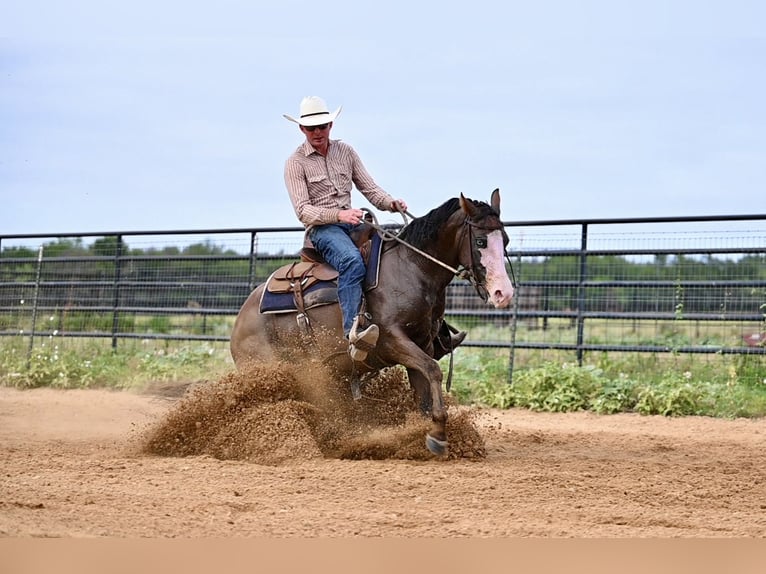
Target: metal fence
{"x": 688, "y": 286}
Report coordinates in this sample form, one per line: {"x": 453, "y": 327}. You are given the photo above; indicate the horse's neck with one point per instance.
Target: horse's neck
{"x": 447, "y": 250}
{"x": 435, "y": 272}
{"x": 444, "y": 250}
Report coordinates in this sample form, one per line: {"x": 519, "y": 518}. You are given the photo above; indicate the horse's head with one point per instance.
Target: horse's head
{"x": 483, "y": 253}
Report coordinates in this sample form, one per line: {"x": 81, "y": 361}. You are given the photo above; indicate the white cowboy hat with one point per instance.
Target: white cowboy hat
{"x": 314, "y": 112}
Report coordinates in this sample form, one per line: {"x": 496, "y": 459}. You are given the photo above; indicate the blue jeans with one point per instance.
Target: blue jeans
{"x": 334, "y": 244}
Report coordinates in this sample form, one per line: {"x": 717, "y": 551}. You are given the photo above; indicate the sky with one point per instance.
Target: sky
{"x": 152, "y": 115}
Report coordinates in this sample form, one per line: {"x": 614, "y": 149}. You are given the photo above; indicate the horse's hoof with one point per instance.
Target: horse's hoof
{"x": 436, "y": 446}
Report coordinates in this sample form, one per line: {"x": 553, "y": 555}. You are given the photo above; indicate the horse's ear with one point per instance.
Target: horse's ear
{"x": 494, "y": 200}
{"x": 467, "y": 206}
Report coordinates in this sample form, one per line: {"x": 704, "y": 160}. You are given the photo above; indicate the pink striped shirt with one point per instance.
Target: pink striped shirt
{"x": 320, "y": 187}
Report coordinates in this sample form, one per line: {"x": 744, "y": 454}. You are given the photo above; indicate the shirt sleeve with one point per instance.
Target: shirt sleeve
{"x": 297, "y": 187}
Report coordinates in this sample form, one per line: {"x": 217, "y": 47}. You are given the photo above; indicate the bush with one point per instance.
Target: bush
{"x": 649, "y": 391}
{"x": 556, "y": 388}
{"x": 672, "y": 397}
{"x": 615, "y": 397}
{"x": 49, "y": 367}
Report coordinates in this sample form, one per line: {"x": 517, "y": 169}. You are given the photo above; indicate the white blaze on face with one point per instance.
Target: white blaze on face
{"x": 498, "y": 283}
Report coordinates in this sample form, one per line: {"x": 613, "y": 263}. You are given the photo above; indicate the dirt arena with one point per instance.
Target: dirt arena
{"x": 281, "y": 456}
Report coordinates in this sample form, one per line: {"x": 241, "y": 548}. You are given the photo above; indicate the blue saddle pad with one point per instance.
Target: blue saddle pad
{"x": 373, "y": 263}
{"x": 320, "y": 293}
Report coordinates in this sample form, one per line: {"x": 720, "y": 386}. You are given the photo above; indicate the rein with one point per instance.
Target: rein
{"x": 388, "y": 236}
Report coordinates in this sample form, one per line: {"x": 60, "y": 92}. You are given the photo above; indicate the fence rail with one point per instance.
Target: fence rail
{"x": 692, "y": 285}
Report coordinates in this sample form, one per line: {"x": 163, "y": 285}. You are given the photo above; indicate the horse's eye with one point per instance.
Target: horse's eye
{"x": 481, "y": 242}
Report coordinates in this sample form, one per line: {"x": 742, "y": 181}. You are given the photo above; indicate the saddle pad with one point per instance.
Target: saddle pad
{"x": 373, "y": 263}
{"x": 320, "y": 293}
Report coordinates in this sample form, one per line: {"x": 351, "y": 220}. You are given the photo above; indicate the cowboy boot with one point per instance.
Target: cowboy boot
{"x": 362, "y": 342}
{"x": 447, "y": 340}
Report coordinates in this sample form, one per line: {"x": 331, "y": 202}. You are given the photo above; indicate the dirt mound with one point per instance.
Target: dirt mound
{"x": 274, "y": 413}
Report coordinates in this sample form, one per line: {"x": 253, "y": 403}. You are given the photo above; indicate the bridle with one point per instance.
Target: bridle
{"x": 467, "y": 273}
{"x": 470, "y": 273}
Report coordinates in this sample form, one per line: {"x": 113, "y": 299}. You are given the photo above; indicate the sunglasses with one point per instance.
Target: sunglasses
{"x": 319, "y": 127}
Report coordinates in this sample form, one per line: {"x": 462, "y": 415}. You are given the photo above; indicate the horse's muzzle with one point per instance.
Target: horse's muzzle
{"x": 501, "y": 299}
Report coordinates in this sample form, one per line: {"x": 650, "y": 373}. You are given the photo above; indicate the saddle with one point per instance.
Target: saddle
{"x": 299, "y": 286}
{"x": 300, "y": 276}
{"x": 311, "y": 282}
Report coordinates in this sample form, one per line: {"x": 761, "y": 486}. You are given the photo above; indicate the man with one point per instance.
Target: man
{"x": 319, "y": 176}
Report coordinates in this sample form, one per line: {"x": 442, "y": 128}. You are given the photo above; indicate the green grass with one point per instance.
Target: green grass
{"x": 724, "y": 387}
{"x": 73, "y": 363}
{"x": 665, "y": 384}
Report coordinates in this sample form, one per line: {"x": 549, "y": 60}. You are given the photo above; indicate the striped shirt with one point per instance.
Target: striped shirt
{"x": 320, "y": 186}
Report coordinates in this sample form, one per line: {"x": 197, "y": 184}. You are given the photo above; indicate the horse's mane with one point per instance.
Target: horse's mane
{"x": 424, "y": 230}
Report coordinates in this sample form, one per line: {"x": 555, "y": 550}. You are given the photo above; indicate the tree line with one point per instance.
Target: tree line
{"x": 214, "y": 277}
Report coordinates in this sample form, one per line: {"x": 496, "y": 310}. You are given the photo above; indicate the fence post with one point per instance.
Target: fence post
{"x": 514, "y": 323}
{"x": 581, "y": 292}
{"x": 545, "y": 294}
{"x": 251, "y": 268}
{"x": 34, "y": 305}
{"x": 116, "y": 296}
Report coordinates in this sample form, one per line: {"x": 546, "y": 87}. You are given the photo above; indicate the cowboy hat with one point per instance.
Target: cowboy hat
{"x": 314, "y": 112}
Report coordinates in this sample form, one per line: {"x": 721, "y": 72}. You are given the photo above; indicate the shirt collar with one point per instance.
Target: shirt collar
{"x": 308, "y": 149}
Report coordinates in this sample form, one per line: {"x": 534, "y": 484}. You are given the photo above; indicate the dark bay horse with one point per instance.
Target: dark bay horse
{"x": 461, "y": 236}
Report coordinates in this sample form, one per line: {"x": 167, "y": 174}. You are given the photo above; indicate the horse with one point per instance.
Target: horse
{"x": 461, "y": 237}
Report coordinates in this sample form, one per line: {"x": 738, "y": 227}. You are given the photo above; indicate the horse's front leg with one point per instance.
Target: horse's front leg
{"x": 426, "y": 378}
{"x": 422, "y": 390}
{"x": 431, "y": 401}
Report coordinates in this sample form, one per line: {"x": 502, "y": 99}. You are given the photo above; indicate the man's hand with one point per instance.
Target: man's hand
{"x": 352, "y": 216}
{"x": 398, "y": 205}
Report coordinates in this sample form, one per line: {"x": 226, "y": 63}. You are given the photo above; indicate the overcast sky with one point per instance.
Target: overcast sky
{"x": 152, "y": 115}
